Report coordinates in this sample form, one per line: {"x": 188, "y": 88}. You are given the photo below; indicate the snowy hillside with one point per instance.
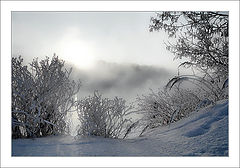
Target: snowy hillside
{"x": 204, "y": 133}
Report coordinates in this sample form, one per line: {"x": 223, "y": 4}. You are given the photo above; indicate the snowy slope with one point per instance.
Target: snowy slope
{"x": 204, "y": 133}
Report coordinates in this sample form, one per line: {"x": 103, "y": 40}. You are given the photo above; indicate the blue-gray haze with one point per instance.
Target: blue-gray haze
{"x": 113, "y": 52}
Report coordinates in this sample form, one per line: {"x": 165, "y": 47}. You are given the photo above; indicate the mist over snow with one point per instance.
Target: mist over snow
{"x": 120, "y": 83}
{"x": 119, "y": 79}
{"x": 133, "y": 59}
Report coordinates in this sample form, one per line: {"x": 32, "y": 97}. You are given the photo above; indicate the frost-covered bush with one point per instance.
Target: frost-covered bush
{"x": 103, "y": 116}
{"x": 42, "y": 94}
{"x": 161, "y": 108}
{"x": 211, "y": 87}
{"x": 202, "y": 38}
{"x": 22, "y": 92}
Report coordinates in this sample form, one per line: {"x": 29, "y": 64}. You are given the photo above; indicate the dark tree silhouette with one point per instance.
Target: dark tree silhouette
{"x": 202, "y": 37}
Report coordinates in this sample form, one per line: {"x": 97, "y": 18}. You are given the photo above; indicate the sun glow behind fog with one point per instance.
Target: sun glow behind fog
{"x": 75, "y": 50}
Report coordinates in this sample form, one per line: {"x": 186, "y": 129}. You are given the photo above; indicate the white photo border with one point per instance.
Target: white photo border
{"x": 8, "y": 6}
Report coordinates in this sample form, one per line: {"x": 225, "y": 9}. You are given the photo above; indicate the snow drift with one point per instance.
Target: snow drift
{"x": 203, "y": 133}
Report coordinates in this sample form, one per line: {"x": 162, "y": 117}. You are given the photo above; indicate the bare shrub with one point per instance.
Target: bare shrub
{"x": 211, "y": 88}
{"x": 162, "y": 108}
{"x": 41, "y": 97}
{"x": 103, "y": 116}
{"x": 202, "y": 38}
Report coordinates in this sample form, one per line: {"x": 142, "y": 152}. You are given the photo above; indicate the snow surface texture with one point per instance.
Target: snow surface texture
{"x": 204, "y": 133}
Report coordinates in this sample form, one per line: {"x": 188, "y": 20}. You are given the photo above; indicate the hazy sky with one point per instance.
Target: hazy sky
{"x": 114, "y": 51}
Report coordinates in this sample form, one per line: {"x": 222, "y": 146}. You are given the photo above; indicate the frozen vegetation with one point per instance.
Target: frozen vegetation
{"x": 189, "y": 117}
{"x": 203, "y": 133}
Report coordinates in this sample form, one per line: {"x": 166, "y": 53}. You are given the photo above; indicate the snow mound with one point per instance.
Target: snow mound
{"x": 204, "y": 133}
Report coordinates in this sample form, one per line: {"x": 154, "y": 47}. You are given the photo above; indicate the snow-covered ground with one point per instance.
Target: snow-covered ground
{"x": 204, "y": 133}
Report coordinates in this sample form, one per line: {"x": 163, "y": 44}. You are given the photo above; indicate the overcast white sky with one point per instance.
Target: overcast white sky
{"x": 85, "y": 38}
{"x": 109, "y": 36}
